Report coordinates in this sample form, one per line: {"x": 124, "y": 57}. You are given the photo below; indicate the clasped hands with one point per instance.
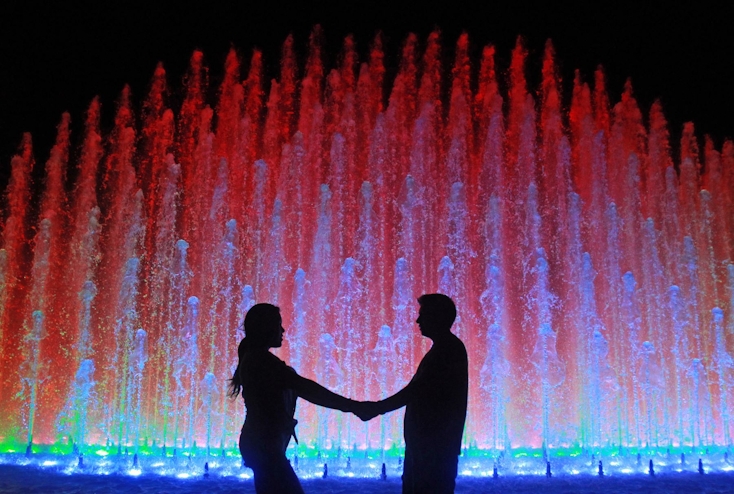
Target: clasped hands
{"x": 366, "y": 410}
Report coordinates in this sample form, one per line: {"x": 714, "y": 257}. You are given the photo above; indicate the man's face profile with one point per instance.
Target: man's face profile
{"x": 426, "y": 322}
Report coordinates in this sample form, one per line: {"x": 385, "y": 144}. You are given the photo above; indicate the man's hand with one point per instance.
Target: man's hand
{"x": 366, "y": 410}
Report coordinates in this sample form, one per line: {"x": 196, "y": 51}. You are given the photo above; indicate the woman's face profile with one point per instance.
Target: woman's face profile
{"x": 276, "y": 331}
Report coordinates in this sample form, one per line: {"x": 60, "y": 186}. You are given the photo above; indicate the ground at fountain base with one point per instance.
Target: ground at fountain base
{"x": 29, "y": 479}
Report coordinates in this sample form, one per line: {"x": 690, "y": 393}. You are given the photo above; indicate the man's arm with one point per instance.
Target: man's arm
{"x": 367, "y": 410}
{"x": 398, "y": 400}
{"x": 424, "y": 378}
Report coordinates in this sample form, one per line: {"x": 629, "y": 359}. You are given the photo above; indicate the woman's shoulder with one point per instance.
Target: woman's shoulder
{"x": 264, "y": 367}
{"x": 274, "y": 359}
{"x": 264, "y": 358}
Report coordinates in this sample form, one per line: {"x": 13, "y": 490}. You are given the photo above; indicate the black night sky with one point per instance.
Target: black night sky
{"x": 56, "y": 56}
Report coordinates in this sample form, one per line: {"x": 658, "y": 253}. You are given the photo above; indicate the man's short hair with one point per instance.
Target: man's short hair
{"x": 440, "y": 307}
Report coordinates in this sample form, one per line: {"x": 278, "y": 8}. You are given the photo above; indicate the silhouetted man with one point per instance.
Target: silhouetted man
{"x": 435, "y": 403}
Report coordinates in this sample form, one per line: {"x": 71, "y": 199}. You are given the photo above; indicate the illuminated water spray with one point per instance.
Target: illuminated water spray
{"x": 592, "y": 271}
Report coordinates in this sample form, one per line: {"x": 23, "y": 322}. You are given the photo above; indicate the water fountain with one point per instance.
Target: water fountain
{"x": 592, "y": 270}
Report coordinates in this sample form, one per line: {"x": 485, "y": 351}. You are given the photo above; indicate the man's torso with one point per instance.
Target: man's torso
{"x": 434, "y": 418}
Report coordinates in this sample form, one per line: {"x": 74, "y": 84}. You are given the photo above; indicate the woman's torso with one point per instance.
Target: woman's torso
{"x": 270, "y": 400}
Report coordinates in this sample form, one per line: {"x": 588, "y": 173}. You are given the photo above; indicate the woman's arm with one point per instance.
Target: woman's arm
{"x": 319, "y": 395}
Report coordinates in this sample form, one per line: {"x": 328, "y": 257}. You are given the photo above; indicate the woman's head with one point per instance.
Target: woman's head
{"x": 264, "y": 326}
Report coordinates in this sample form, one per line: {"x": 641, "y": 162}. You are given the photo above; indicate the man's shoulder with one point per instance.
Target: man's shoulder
{"x": 450, "y": 351}
{"x": 455, "y": 355}
{"x": 455, "y": 345}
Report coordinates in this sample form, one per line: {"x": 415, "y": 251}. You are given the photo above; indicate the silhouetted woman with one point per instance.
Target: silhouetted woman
{"x": 270, "y": 389}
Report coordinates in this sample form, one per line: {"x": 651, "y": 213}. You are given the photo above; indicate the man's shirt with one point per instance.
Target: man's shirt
{"x": 436, "y": 411}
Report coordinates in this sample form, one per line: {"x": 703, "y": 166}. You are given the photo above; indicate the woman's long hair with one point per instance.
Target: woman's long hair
{"x": 259, "y": 322}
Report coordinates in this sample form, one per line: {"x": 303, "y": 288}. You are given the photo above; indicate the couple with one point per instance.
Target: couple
{"x": 435, "y": 401}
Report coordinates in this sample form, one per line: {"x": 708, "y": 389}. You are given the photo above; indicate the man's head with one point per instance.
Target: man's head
{"x": 436, "y": 315}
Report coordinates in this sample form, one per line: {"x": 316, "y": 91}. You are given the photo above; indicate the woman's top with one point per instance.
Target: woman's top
{"x": 268, "y": 387}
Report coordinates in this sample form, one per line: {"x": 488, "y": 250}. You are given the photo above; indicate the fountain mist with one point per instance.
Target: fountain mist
{"x": 593, "y": 273}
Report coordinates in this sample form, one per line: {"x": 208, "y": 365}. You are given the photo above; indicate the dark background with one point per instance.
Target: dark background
{"x": 57, "y": 57}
